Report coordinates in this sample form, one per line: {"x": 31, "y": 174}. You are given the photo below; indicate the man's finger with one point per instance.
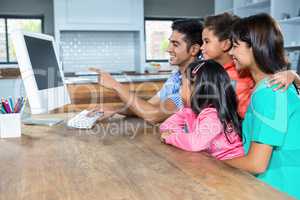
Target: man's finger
{"x": 93, "y": 69}
{"x": 91, "y": 113}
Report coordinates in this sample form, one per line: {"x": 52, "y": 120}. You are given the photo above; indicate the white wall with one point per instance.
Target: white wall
{"x": 153, "y": 8}
{"x": 30, "y": 7}
{"x": 178, "y": 8}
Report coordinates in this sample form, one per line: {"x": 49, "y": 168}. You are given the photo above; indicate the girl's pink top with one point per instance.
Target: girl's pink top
{"x": 202, "y": 132}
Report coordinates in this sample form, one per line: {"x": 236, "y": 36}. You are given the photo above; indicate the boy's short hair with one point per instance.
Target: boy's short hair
{"x": 191, "y": 28}
{"x": 220, "y": 24}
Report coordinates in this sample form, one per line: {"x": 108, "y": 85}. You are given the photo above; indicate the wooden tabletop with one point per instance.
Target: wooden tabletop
{"x": 120, "y": 159}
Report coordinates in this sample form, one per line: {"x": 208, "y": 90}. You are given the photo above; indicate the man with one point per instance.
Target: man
{"x": 184, "y": 48}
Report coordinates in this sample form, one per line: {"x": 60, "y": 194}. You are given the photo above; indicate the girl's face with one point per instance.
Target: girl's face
{"x": 212, "y": 47}
{"x": 242, "y": 55}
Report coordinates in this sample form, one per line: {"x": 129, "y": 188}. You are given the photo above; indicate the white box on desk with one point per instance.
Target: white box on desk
{"x": 10, "y": 125}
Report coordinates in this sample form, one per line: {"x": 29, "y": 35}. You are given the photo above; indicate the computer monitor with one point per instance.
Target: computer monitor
{"x": 41, "y": 71}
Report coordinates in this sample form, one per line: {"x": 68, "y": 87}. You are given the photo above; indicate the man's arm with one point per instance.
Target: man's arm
{"x": 150, "y": 112}
{"x": 153, "y": 110}
{"x": 125, "y": 110}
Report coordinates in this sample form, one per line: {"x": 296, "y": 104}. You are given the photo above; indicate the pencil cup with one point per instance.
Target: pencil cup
{"x": 10, "y": 125}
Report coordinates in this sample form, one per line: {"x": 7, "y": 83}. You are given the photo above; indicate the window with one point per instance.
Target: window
{"x": 157, "y": 32}
{"x": 10, "y": 23}
{"x": 2, "y": 41}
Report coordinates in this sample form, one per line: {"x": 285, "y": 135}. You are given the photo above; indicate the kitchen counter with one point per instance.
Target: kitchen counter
{"x": 122, "y": 78}
{"x": 90, "y": 77}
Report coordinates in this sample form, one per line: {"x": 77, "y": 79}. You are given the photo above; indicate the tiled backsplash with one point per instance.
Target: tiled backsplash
{"x": 111, "y": 51}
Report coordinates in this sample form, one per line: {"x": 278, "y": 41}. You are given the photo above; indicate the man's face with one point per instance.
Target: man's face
{"x": 178, "y": 50}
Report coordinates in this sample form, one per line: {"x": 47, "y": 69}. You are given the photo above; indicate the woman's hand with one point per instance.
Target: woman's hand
{"x": 105, "y": 79}
{"x": 283, "y": 79}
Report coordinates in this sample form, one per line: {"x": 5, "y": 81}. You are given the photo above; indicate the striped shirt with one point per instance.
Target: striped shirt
{"x": 171, "y": 89}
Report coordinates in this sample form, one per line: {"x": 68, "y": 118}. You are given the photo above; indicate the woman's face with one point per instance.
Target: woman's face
{"x": 242, "y": 55}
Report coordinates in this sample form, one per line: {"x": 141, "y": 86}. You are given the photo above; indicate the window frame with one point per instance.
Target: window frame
{"x": 156, "y": 19}
{"x": 7, "y": 17}
{"x": 163, "y": 19}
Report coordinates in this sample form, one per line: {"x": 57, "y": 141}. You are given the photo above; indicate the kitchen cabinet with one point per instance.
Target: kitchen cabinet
{"x": 287, "y": 14}
{"x": 99, "y": 15}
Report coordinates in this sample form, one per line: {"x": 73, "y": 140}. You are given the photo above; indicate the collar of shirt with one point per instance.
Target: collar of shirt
{"x": 229, "y": 65}
{"x": 178, "y": 77}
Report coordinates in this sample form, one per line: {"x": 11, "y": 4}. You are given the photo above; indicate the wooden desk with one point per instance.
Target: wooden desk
{"x": 113, "y": 162}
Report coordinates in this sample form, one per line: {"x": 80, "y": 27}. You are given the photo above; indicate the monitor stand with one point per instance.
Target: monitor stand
{"x": 28, "y": 119}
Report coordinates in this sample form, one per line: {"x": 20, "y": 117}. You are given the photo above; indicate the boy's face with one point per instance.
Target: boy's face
{"x": 242, "y": 55}
{"x": 212, "y": 47}
{"x": 178, "y": 50}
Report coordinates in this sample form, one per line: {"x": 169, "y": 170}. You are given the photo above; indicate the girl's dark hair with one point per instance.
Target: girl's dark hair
{"x": 263, "y": 35}
{"x": 221, "y": 25}
{"x": 212, "y": 88}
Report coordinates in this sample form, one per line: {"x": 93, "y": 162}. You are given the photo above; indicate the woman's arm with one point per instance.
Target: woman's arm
{"x": 284, "y": 79}
{"x": 256, "y": 161}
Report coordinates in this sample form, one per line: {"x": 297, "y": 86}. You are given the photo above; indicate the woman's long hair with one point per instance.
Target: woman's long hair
{"x": 211, "y": 87}
{"x": 262, "y": 33}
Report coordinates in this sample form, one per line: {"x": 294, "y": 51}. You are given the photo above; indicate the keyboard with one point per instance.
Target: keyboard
{"x": 82, "y": 121}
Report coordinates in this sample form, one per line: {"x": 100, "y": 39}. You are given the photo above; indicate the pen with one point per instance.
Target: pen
{"x": 7, "y": 107}
{"x": 23, "y": 105}
{"x": 11, "y": 103}
{"x": 17, "y": 105}
{"x": 2, "y": 108}
{"x": 20, "y": 104}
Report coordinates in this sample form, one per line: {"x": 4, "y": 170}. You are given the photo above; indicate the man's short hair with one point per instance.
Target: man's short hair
{"x": 191, "y": 28}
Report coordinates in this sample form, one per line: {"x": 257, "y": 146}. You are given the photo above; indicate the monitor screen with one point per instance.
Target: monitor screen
{"x": 44, "y": 63}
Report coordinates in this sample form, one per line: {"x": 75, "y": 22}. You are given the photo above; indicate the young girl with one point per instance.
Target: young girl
{"x": 216, "y": 46}
{"x": 271, "y": 125}
{"x": 210, "y": 122}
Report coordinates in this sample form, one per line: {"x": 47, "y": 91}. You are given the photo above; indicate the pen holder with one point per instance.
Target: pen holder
{"x": 10, "y": 125}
